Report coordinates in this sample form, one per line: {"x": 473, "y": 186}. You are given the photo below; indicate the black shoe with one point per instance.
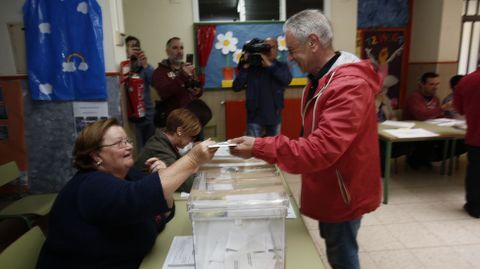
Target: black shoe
{"x": 471, "y": 212}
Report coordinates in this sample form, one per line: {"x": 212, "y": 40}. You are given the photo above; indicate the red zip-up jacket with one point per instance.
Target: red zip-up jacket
{"x": 338, "y": 156}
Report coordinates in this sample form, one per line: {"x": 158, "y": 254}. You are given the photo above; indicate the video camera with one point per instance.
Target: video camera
{"x": 254, "y": 48}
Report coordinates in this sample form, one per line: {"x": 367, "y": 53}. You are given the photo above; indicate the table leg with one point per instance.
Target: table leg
{"x": 451, "y": 162}
{"x": 445, "y": 152}
{"x": 386, "y": 172}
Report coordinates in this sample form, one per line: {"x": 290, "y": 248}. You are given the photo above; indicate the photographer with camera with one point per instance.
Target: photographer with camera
{"x": 265, "y": 79}
{"x": 136, "y": 79}
{"x": 175, "y": 82}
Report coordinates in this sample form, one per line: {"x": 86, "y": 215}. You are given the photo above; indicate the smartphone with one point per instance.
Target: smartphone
{"x": 190, "y": 58}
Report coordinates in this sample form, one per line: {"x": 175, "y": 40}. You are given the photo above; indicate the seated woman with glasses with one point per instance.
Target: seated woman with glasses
{"x": 108, "y": 215}
{"x": 182, "y": 126}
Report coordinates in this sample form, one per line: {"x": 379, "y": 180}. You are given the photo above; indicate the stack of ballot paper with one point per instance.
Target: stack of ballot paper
{"x": 180, "y": 254}
{"x": 410, "y": 133}
{"x": 446, "y": 122}
{"x": 398, "y": 124}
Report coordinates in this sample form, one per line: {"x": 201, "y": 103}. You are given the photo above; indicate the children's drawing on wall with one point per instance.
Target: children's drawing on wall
{"x": 385, "y": 48}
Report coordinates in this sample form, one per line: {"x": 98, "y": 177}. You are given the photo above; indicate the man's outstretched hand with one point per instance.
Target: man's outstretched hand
{"x": 244, "y": 146}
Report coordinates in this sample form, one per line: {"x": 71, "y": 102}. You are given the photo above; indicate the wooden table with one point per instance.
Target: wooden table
{"x": 447, "y": 134}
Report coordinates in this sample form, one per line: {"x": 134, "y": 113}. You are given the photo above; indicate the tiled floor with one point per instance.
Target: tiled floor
{"x": 422, "y": 226}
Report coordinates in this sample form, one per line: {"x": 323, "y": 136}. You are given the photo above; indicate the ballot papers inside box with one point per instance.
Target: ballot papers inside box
{"x": 238, "y": 223}
{"x": 235, "y": 172}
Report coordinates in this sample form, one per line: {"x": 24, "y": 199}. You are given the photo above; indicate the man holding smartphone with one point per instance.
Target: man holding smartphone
{"x": 175, "y": 81}
{"x": 136, "y": 70}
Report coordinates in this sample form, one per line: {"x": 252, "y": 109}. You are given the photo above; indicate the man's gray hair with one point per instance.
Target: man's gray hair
{"x": 310, "y": 21}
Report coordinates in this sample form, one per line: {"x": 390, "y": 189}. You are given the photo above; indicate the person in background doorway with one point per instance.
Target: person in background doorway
{"x": 181, "y": 129}
{"x": 466, "y": 101}
{"x": 137, "y": 65}
{"x": 109, "y": 215}
{"x": 265, "y": 80}
{"x": 338, "y": 153}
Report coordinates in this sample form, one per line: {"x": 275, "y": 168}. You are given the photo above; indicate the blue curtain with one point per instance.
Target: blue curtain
{"x": 65, "y": 49}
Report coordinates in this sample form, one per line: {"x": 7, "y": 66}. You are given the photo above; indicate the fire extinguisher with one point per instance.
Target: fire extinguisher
{"x": 135, "y": 93}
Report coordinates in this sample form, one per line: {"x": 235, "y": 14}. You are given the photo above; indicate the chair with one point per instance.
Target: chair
{"x": 30, "y": 205}
{"x": 23, "y": 253}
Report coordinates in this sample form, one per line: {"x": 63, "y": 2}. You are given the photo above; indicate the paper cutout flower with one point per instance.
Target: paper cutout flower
{"x": 282, "y": 44}
{"x": 236, "y": 56}
{"x": 227, "y": 43}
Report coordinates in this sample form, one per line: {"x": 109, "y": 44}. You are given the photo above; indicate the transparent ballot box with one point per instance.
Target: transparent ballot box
{"x": 238, "y": 223}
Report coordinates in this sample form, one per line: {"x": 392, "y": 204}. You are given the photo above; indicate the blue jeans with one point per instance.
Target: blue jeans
{"x": 341, "y": 243}
{"x": 257, "y": 130}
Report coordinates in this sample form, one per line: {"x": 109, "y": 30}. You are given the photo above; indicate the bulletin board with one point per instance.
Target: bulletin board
{"x": 219, "y": 47}
{"x": 386, "y": 48}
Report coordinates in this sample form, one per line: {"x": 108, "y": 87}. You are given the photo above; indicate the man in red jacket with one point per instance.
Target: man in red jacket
{"x": 338, "y": 153}
{"x": 466, "y": 99}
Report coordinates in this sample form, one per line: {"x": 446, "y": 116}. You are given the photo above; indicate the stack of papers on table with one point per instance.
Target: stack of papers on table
{"x": 410, "y": 133}
{"x": 398, "y": 124}
{"x": 446, "y": 122}
{"x": 180, "y": 254}
{"x": 461, "y": 125}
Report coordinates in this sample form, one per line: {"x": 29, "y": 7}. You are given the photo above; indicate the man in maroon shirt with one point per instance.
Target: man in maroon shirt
{"x": 466, "y": 99}
{"x": 423, "y": 104}
{"x": 175, "y": 81}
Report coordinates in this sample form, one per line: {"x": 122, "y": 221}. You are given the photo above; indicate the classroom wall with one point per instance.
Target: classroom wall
{"x": 10, "y": 12}
{"x": 154, "y": 22}
{"x": 343, "y": 16}
{"x": 435, "y": 41}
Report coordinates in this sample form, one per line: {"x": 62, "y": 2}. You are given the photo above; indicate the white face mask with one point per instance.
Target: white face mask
{"x": 185, "y": 149}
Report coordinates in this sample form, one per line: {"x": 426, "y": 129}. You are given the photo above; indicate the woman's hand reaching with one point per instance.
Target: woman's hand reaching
{"x": 154, "y": 164}
{"x": 201, "y": 153}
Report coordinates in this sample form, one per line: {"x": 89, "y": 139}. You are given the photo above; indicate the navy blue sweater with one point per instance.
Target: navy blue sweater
{"x": 265, "y": 87}
{"x": 100, "y": 221}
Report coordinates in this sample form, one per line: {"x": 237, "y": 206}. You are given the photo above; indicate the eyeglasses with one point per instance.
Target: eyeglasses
{"x": 119, "y": 144}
